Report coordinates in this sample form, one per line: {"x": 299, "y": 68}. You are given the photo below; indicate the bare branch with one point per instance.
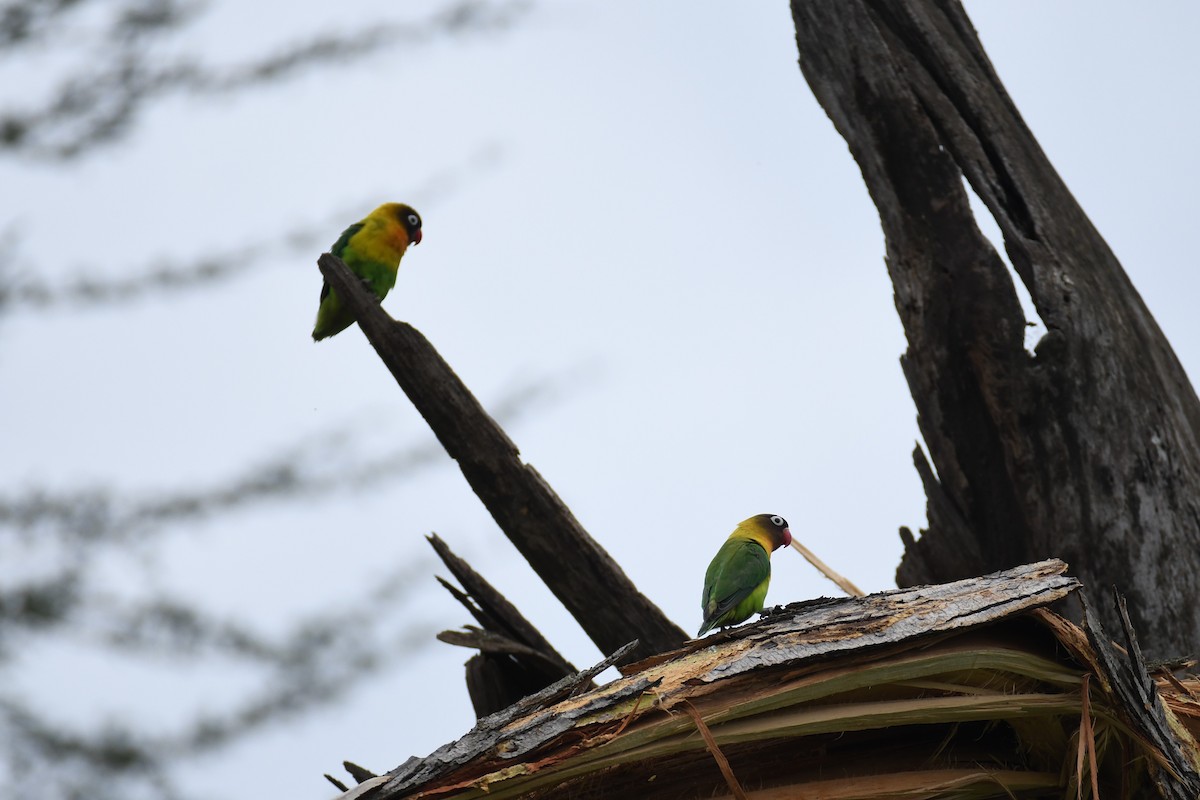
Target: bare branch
{"x": 24, "y": 290}
{"x": 100, "y": 103}
{"x": 314, "y": 664}
{"x": 587, "y": 581}
{"x": 324, "y": 464}
{"x": 515, "y": 660}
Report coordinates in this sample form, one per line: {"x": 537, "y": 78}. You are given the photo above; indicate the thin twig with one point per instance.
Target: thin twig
{"x": 843, "y": 584}
{"x": 718, "y": 756}
{"x": 1087, "y": 741}
{"x": 628, "y": 717}
{"x": 1178, "y": 684}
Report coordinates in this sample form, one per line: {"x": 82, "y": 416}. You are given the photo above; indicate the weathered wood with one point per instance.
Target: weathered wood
{"x": 515, "y": 660}
{"x": 1143, "y": 708}
{"x": 777, "y": 693}
{"x": 496, "y": 613}
{"x": 486, "y": 734}
{"x": 1086, "y": 449}
{"x": 360, "y": 774}
{"x": 584, "y": 578}
{"x": 803, "y": 631}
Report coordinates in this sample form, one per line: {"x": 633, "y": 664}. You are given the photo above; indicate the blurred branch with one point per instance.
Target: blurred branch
{"x": 32, "y": 21}
{"x": 316, "y": 662}
{"x": 176, "y": 628}
{"x": 316, "y": 680}
{"x": 25, "y": 290}
{"x": 101, "y": 515}
{"x": 100, "y": 103}
{"x": 45, "y": 760}
{"x": 38, "y": 603}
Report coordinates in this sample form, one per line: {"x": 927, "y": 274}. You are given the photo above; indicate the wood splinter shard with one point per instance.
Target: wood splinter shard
{"x": 718, "y": 756}
{"x": 843, "y": 584}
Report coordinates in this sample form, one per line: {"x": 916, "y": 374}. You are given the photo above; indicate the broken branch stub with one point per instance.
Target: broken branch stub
{"x": 584, "y": 578}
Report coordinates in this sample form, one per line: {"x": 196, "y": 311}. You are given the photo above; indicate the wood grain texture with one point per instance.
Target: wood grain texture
{"x": 1127, "y": 676}
{"x": 584, "y": 578}
{"x": 519, "y": 722}
{"x": 1085, "y": 449}
{"x": 746, "y": 661}
{"x": 514, "y": 659}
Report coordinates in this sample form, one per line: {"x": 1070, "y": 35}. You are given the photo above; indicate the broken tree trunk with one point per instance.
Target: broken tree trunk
{"x": 568, "y": 560}
{"x": 1085, "y": 449}
{"x": 514, "y": 659}
{"x": 971, "y": 690}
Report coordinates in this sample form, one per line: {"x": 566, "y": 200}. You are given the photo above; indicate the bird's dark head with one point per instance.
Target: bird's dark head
{"x": 410, "y": 219}
{"x": 776, "y": 528}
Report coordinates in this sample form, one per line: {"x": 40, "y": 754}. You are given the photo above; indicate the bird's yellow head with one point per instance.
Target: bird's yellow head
{"x": 402, "y": 217}
{"x": 769, "y": 530}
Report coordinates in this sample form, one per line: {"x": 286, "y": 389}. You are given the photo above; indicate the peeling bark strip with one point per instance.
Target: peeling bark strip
{"x": 518, "y": 728}
{"x": 780, "y": 704}
{"x": 814, "y": 629}
{"x": 1086, "y": 450}
{"x": 1129, "y": 680}
{"x": 711, "y": 743}
{"x": 568, "y": 560}
{"x": 514, "y": 659}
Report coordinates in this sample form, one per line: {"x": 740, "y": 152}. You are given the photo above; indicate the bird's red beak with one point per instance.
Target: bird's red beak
{"x": 787, "y": 537}
{"x": 416, "y": 237}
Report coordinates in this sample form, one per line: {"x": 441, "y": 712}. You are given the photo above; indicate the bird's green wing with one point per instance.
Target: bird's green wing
{"x": 739, "y": 568}
{"x": 339, "y": 250}
{"x": 339, "y": 247}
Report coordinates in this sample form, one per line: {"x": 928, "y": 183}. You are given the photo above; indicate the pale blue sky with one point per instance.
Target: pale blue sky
{"x": 648, "y": 205}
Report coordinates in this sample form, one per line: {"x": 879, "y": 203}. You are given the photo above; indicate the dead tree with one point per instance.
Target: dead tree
{"x": 1085, "y": 449}
{"x": 567, "y": 559}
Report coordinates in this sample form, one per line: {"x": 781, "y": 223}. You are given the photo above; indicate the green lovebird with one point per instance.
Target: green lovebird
{"x": 372, "y": 249}
{"x": 735, "y": 584}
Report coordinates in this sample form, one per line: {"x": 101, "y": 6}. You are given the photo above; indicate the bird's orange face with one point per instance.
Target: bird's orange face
{"x": 410, "y": 221}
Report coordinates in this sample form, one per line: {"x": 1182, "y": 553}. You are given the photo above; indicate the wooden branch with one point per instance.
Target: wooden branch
{"x": 1142, "y": 705}
{"x": 837, "y": 633}
{"x": 487, "y": 641}
{"x": 498, "y": 615}
{"x": 584, "y": 578}
{"x": 514, "y": 659}
{"x": 360, "y": 774}
{"x": 1088, "y": 449}
{"x": 843, "y": 583}
{"x": 714, "y": 749}
{"x": 490, "y": 730}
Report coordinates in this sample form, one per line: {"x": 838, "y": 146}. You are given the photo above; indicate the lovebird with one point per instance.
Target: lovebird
{"x": 735, "y": 584}
{"x": 372, "y": 249}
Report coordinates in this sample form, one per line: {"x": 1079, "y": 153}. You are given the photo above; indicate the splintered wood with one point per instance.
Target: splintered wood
{"x": 903, "y": 694}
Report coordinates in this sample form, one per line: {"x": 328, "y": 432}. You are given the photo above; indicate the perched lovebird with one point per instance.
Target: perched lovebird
{"x": 735, "y": 585}
{"x": 372, "y": 249}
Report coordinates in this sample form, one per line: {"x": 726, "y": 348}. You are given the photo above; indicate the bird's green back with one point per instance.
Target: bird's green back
{"x": 370, "y": 258}
{"x": 339, "y": 247}
{"x": 735, "y": 585}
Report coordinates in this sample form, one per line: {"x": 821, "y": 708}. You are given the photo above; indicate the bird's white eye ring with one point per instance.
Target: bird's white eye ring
{"x": 414, "y": 220}
{"x": 778, "y": 521}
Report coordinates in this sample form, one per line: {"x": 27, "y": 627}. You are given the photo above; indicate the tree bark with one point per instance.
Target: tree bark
{"x": 1085, "y": 449}
{"x": 584, "y": 578}
{"x": 514, "y": 659}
